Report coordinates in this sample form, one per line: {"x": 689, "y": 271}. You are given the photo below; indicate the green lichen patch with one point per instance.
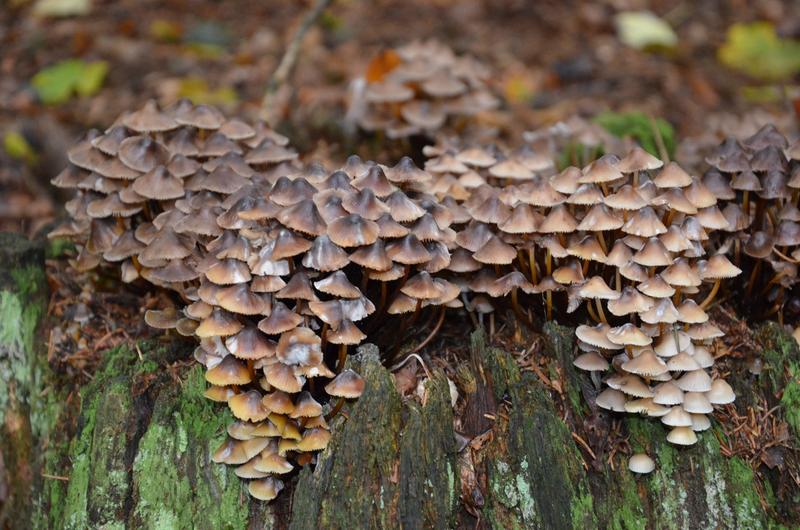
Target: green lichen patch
{"x": 174, "y": 482}
{"x": 791, "y": 398}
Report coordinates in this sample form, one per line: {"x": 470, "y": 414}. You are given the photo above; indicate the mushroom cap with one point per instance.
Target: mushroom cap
{"x": 721, "y": 392}
{"x": 229, "y": 372}
{"x": 348, "y": 384}
{"x": 697, "y": 403}
{"x": 677, "y": 417}
{"x": 628, "y": 334}
{"x": 299, "y": 346}
{"x": 682, "y": 436}
{"x": 667, "y": 393}
{"x": 265, "y": 489}
{"x": 611, "y": 399}
{"x": 591, "y": 361}
{"x": 641, "y": 463}
{"x": 647, "y": 364}
{"x": 247, "y": 406}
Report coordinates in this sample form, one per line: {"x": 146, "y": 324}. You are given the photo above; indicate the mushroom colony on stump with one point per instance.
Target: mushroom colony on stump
{"x": 281, "y": 268}
{"x": 420, "y": 88}
{"x": 757, "y": 181}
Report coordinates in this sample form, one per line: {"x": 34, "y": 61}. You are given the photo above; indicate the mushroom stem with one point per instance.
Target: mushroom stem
{"x": 342, "y": 357}
{"x": 433, "y": 332}
{"x": 676, "y": 298}
{"x": 323, "y": 336}
{"x": 549, "y": 295}
{"x": 600, "y": 312}
{"x": 705, "y": 303}
{"x": 532, "y": 263}
{"x": 752, "y": 279}
{"x": 617, "y": 279}
{"x": 746, "y": 202}
{"x": 591, "y": 312}
{"x": 335, "y": 410}
{"x": 518, "y": 310}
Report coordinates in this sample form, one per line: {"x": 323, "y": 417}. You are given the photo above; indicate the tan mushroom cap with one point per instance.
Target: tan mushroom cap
{"x": 314, "y": 439}
{"x": 348, "y": 384}
{"x": 250, "y": 343}
{"x": 697, "y": 403}
{"x": 265, "y": 489}
{"x": 672, "y": 176}
{"x": 495, "y": 252}
{"x": 235, "y": 452}
{"x": 597, "y": 336}
{"x": 278, "y": 402}
{"x": 247, "y": 406}
{"x": 719, "y": 266}
{"x": 229, "y": 372}
{"x": 219, "y": 324}
{"x": 694, "y": 381}
{"x": 283, "y": 377}
{"x": 161, "y": 319}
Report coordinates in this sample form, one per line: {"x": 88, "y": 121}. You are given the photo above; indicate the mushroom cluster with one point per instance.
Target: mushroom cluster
{"x": 758, "y": 180}
{"x": 280, "y": 268}
{"x": 628, "y": 237}
{"x": 420, "y": 87}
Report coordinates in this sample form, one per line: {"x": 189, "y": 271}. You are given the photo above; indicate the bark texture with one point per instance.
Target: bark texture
{"x": 132, "y": 449}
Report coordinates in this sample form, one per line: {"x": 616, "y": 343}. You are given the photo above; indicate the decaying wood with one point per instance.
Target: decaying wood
{"x": 131, "y": 449}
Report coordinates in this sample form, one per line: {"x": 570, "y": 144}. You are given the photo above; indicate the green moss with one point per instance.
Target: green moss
{"x": 791, "y": 398}
{"x": 779, "y": 350}
{"x": 629, "y": 514}
{"x": 175, "y": 483}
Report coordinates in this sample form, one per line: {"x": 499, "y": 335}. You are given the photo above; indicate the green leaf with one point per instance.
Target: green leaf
{"x": 18, "y": 147}
{"x": 644, "y": 30}
{"x": 57, "y": 83}
{"x": 92, "y": 79}
{"x": 637, "y": 125}
{"x": 198, "y": 91}
{"x": 756, "y": 50}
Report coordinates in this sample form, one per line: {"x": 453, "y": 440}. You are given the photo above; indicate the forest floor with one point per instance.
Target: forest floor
{"x": 554, "y": 60}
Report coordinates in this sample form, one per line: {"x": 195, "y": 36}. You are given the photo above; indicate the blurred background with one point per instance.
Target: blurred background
{"x": 707, "y": 68}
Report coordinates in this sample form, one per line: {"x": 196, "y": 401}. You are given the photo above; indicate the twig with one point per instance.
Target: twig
{"x": 662, "y": 148}
{"x": 289, "y": 58}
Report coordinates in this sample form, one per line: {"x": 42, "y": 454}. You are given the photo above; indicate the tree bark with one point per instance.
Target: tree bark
{"x": 132, "y": 449}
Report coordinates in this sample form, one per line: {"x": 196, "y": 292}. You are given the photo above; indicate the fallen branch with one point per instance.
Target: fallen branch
{"x": 289, "y": 59}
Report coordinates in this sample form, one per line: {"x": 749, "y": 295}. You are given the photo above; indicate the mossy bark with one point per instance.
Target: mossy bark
{"x": 132, "y": 451}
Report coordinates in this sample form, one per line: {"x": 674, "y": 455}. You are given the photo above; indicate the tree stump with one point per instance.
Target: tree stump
{"x": 132, "y": 450}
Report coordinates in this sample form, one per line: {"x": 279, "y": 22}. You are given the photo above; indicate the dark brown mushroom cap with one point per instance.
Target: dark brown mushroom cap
{"x": 365, "y": 204}
{"x": 142, "y": 153}
{"x": 176, "y": 271}
{"x": 787, "y": 234}
{"x": 167, "y": 244}
{"x": 421, "y": 287}
{"x": 159, "y": 184}
{"x": 733, "y": 163}
{"x": 338, "y": 285}
{"x": 759, "y": 245}
{"x": 353, "y": 231}
{"x": 774, "y": 186}
{"x": 325, "y": 256}
{"x": 372, "y": 257}
{"x": 280, "y": 320}
{"x": 766, "y": 136}
{"x": 348, "y": 384}
{"x": 375, "y": 180}
{"x": 719, "y": 185}
{"x": 402, "y": 209}
{"x": 303, "y": 217}
{"x": 297, "y": 288}
{"x": 406, "y": 172}
{"x": 408, "y": 251}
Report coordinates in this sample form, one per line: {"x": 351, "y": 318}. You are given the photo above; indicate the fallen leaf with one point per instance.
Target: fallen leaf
{"x": 756, "y": 50}
{"x": 59, "y": 82}
{"x": 62, "y": 8}
{"x": 17, "y": 147}
{"x": 644, "y": 30}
